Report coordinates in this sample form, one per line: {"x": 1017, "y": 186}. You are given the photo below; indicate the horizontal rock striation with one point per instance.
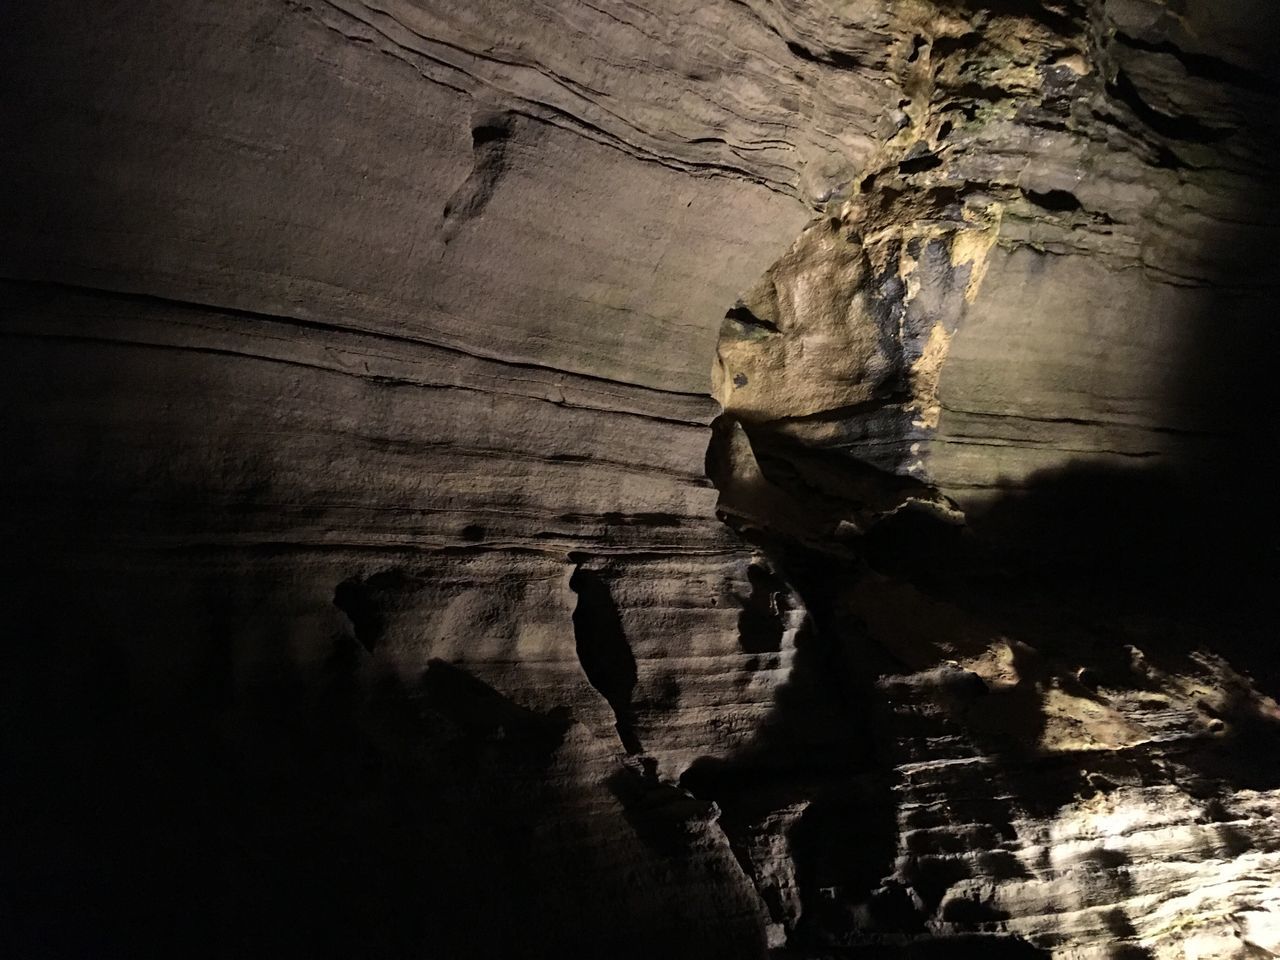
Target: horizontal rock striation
{"x": 386, "y": 578}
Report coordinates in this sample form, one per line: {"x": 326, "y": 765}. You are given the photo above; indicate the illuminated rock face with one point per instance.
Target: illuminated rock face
{"x": 385, "y": 580}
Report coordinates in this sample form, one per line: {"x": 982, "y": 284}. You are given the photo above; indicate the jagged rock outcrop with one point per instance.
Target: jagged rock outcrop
{"x": 386, "y": 577}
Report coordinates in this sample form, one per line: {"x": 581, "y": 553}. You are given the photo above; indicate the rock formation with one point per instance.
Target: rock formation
{"x": 386, "y": 576}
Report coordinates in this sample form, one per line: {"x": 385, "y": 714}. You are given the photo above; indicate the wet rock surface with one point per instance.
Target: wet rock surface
{"x": 385, "y": 576}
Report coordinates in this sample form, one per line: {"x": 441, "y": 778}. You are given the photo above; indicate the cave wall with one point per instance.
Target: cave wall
{"x": 369, "y": 592}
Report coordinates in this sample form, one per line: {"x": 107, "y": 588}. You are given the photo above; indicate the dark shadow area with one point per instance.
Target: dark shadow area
{"x": 760, "y": 624}
{"x": 363, "y": 601}
{"x": 332, "y": 811}
{"x": 603, "y": 650}
{"x": 667, "y": 819}
{"x": 961, "y": 946}
{"x": 823, "y": 747}
{"x": 1173, "y": 561}
{"x": 193, "y": 776}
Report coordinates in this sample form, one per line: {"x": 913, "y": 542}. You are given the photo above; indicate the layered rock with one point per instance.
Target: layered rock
{"x": 370, "y": 592}
{"x": 977, "y": 413}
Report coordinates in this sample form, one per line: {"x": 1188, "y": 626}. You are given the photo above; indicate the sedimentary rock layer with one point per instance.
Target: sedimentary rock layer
{"x": 602, "y": 479}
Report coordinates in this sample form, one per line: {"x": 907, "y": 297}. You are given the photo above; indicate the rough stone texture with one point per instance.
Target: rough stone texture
{"x": 370, "y": 590}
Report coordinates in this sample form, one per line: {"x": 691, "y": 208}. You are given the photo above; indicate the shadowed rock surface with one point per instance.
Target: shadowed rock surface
{"x": 385, "y": 577}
